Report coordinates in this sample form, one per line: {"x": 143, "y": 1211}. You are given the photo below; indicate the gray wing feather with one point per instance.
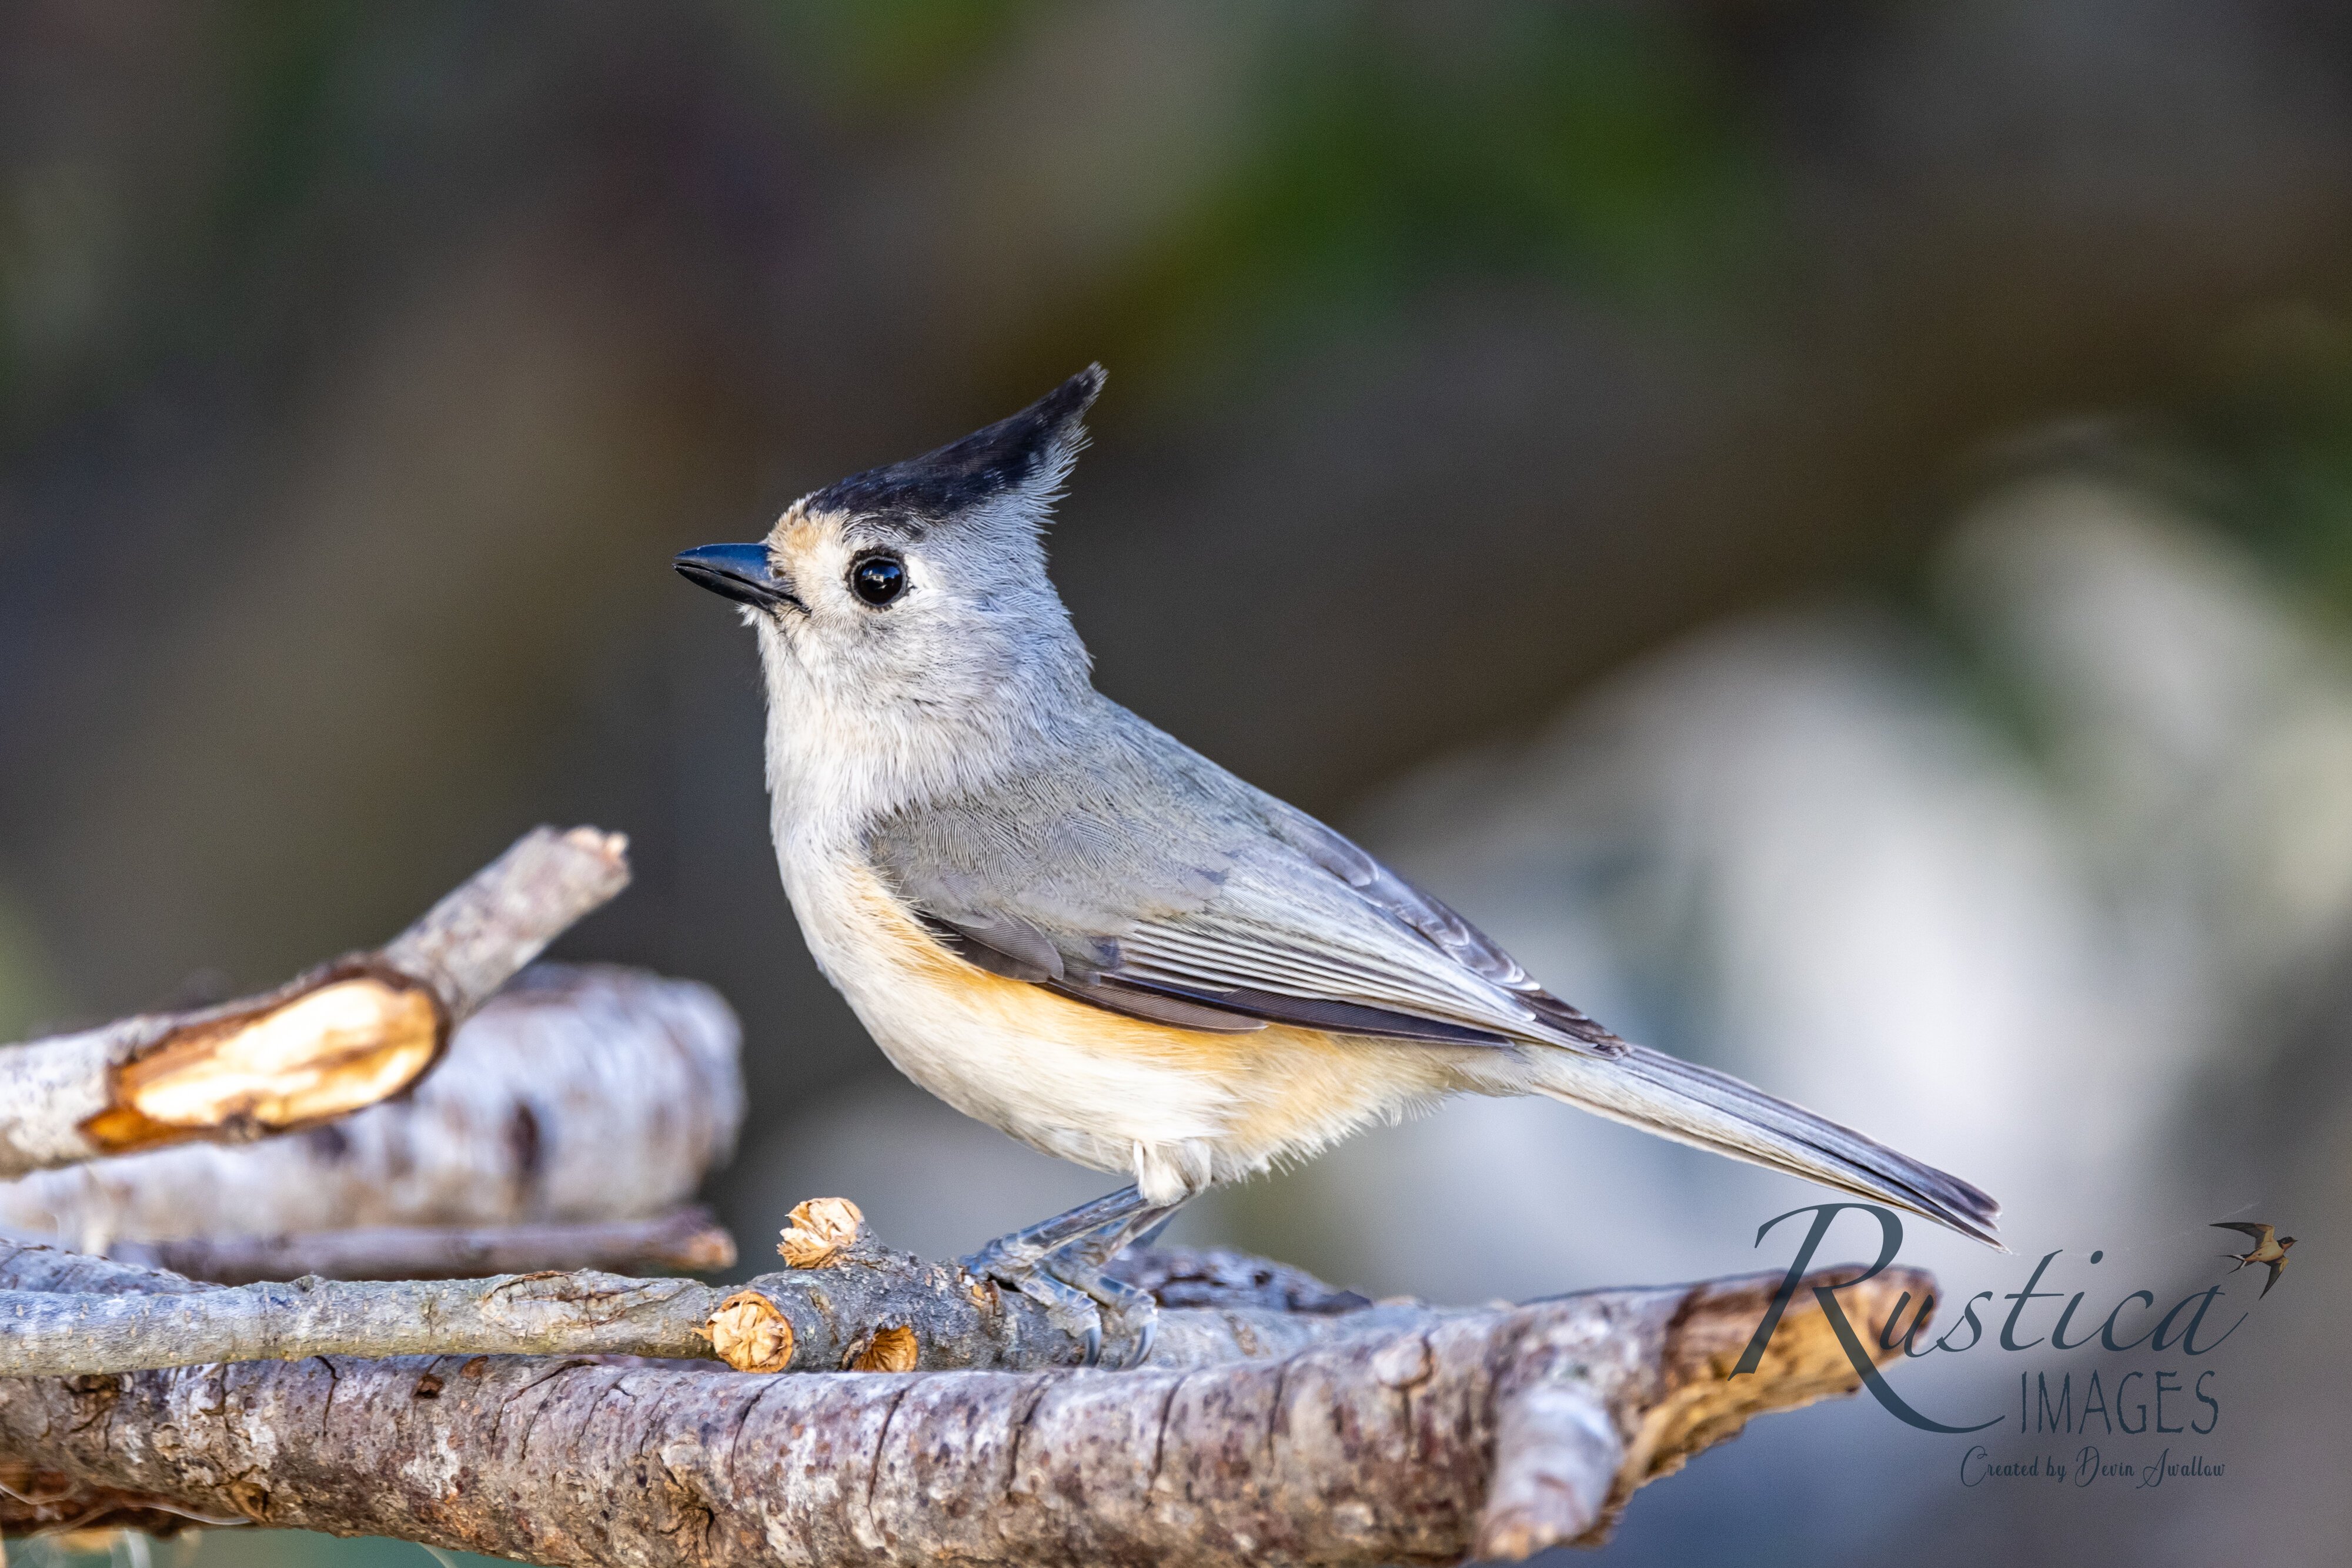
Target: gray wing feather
{"x": 1137, "y": 876}
{"x": 1436, "y": 921}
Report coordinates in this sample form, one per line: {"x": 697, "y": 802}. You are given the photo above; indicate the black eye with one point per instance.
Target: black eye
{"x": 878, "y": 579}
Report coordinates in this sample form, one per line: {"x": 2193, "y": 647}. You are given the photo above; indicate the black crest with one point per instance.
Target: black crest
{"x": 1039, "y": 439}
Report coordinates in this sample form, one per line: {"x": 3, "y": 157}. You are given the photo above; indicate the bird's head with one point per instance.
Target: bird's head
{"x": 2285, "y": 1242}
{"x": 907, "y": 607}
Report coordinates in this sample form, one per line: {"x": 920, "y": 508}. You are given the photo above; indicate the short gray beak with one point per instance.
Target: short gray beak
{"x": 739, "y": 572}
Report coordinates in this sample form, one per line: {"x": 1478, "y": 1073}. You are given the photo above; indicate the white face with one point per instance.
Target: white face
{"x": 891, "y": 612}
{"x": 909, "y": 653}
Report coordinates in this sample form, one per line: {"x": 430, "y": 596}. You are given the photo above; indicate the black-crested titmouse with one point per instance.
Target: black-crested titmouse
{"x": 1064, "y": 922}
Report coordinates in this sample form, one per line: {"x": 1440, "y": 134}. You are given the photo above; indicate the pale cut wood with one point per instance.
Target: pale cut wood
{"x": 346, "y": 1035}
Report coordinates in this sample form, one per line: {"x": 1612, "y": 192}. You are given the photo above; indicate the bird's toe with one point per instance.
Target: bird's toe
{"x": 1130, "y": 1316}
{"x": 1007, "y": 1261}
{"x": 1067, "y": 1308}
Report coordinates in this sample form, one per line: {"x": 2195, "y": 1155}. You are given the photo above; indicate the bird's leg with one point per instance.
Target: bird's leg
{"x": 1023, "y": 1246}
{"x": 1131, "y": 1314}
{"x": 1020, "y": 1260}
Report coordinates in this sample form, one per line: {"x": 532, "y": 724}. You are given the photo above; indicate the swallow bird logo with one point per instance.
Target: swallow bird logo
{"x": 2269, "y": 1248}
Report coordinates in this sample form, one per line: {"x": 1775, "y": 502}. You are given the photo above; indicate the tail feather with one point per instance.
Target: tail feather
{"x": 1710, "y": 1110}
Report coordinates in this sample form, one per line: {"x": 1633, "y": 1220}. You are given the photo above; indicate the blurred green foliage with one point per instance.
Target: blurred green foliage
{"x": 1590, "y": 146}
{"x": 1554, "y": 141}
{"x": 875, "y": 58}
{"x": 285, "y": 58}
{"x": 28, "y": 991}
{"x": 1382, "y": 154}
{"x": 2278, "y": 431}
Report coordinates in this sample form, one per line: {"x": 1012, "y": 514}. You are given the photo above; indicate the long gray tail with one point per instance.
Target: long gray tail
{"x": 1710, "y": 1110}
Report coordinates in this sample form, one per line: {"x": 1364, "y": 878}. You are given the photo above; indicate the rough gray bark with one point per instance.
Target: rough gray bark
{"x": 1429, "y": 1438}
{"x": 516, "y": 1314}
{"x": 686, "y": 1238}
{"x": 575, "y": 1095}
{"x": 348, "y": 1034}
{"x": 863, "y": 1306}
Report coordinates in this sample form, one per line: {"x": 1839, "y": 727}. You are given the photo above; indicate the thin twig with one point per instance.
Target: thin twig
{"x": 63, "y": 1315}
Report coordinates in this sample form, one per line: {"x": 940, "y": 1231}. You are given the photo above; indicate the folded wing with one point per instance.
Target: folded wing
{"x": 1160, "y": 887}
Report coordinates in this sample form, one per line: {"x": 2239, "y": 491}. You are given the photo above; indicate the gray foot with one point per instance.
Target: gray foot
{"x": 1060, "y": 1262}
{"x": 1079, "y": 1299}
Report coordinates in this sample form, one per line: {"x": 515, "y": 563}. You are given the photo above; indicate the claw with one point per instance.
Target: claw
{"x": 1127, "y": 1313}
{"x": 1144, "y": 1340}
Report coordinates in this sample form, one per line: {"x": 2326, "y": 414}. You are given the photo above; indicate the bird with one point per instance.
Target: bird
{"x": 2269, "y": 1247}
{"x": 1067, "y": 924}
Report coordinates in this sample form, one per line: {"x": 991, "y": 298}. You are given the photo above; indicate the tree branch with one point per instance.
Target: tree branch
{"x": 861, "y": 1306}
{"x": 348, "y": 1034}
{"x": 686, "y": 1238}
{"x": 575, "y": 1095}
{"x": 45, "y": 1333}
{"x": 1403, "y": 1434}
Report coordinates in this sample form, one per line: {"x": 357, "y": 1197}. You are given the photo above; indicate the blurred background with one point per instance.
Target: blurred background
{"x": 1826, "y": 527}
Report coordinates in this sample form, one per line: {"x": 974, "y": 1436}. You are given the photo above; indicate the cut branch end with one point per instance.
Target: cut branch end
{"x": 357, "y": 1036}
{"x": 822, "y": 1230}
{"x": 749, "y": 1334}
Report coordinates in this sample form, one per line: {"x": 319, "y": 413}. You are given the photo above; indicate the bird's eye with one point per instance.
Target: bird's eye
{"x": 878, "y": 579}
